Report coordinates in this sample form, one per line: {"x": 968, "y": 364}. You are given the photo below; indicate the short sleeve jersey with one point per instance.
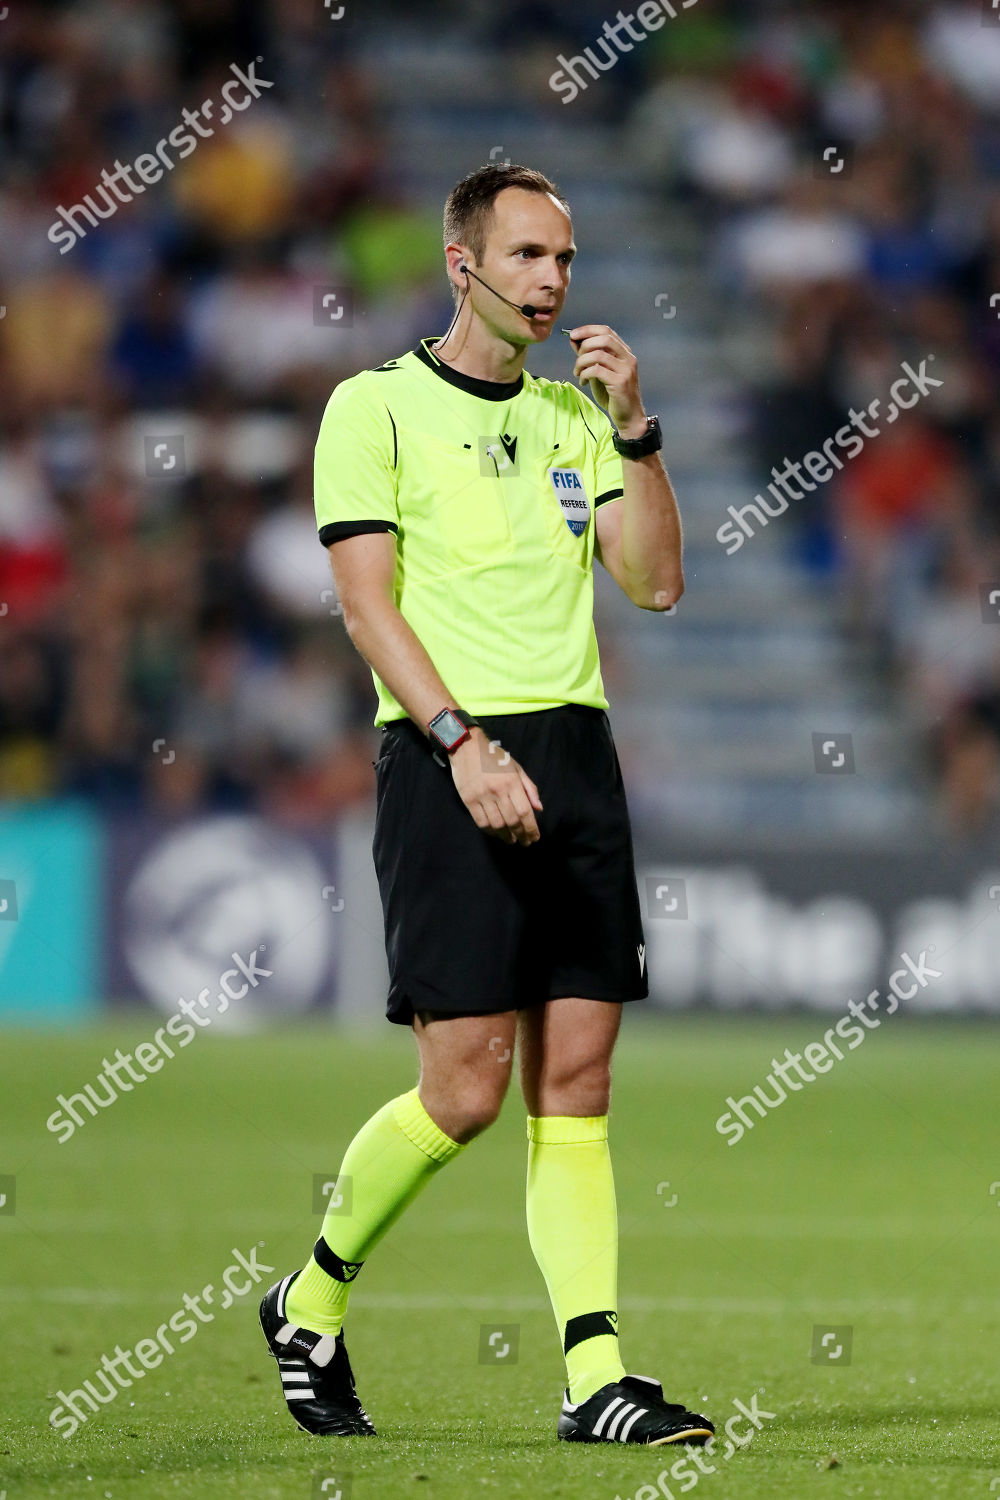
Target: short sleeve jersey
{"x": 490, "y": 490}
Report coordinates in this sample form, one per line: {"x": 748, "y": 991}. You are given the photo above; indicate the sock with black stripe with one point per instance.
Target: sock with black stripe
{"x": 386, "y": 1165}
{"x": 573, "y": 1231}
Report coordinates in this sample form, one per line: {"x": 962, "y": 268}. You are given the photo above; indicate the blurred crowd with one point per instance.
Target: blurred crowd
{"x": 846, "y": 161}
{"x": 168, "y": 633}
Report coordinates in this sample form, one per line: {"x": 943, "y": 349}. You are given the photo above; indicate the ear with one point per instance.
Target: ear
{"x": 456, "y": 256}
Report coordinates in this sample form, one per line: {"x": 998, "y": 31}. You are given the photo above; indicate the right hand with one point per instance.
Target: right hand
{"x": 501, "y": 801}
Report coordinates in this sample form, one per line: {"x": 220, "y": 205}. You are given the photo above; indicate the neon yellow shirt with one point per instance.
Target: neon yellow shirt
{"x": 490, "y": 490}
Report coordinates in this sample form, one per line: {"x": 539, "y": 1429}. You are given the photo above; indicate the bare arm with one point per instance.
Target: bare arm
{"x": 500, "y": 800}
{"x": 363, "y": 570}
{"x": 655, "y": 516}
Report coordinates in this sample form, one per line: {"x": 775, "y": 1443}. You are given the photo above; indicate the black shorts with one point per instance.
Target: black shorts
{"x": 474, "y": 925}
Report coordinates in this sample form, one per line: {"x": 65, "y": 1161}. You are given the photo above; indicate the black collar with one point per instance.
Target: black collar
{"x": 489, "y": 390}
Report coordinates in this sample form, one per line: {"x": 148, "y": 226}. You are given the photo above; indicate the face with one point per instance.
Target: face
{"x": 527, "y": 257}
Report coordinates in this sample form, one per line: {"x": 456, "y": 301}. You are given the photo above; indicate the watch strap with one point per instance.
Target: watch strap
{"x": 650, "y": 441}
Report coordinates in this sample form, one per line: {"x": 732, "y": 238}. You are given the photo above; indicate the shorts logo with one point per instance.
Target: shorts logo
{"x": 641, "y": 950}
{"x": 572, "y": 498}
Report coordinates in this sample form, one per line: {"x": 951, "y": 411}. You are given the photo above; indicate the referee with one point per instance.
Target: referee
{"x": 463, "y": 502}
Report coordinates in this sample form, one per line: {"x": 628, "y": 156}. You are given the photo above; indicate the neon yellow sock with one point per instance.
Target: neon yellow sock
{"x": 573, "y": 1231}
{"x": 390, "y": 1159}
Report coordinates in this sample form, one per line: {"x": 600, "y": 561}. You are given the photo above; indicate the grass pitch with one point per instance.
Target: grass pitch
{"x": 866, "y": 1207}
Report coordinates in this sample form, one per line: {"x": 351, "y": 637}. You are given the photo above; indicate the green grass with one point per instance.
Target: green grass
{"x": 864, "y": 1200}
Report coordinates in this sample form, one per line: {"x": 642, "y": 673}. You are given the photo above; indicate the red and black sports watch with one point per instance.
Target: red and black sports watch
{"x": 450, "y": 728}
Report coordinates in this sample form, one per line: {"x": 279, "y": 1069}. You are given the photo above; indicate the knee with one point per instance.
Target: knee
{"x": 465, "y": 1111}
{"x": 581, "y": 1088}
{"x": 472, "y": 1123}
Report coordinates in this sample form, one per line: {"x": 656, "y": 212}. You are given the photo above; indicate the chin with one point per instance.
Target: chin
{"x": 541, "y": 331}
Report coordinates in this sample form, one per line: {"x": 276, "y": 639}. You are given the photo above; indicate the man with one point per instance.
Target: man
{"x": 463, "y": 502}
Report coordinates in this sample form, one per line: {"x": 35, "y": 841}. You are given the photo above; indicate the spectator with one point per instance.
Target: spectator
{"x": 898, "y": 503}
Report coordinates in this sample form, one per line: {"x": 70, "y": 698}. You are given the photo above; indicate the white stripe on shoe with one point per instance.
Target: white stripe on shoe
{"x": 617, "y": 1418}
{"x": 283, "y": 1288}
{"x": 605, "y": 1414}
{"x": 640, "y": 1411}
{"x": 309, "y": 1395}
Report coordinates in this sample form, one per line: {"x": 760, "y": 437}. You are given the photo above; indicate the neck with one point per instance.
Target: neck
{"x": 473, "y": 349}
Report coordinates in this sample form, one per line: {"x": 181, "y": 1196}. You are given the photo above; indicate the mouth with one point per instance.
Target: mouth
{"x": 544, "y": 315}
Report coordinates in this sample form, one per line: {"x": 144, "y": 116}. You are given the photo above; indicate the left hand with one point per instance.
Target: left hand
{"x": 604, "y": 358}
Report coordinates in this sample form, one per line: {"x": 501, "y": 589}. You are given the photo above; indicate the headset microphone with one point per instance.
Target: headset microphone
{"x": 524, "y": 308}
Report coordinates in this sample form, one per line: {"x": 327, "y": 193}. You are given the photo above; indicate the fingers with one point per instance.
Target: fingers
{"x": 522, "y": 796}
{"x": 521, "y": 819}
{"x": 507, "y": 813}
{"x": 598, "y": 370}
{"x": 584, "y": 331}
{"x": 494, "y": 817}
{"x": 530, "y": 788}
{"x": 510, "y": 818}
{"x": 613, "y": 370}
{"x": 502, "y": 803}
{"x": 598, "y": 336}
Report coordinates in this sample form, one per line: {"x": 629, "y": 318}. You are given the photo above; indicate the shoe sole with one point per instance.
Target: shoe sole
{"x": 697, "y": 1436}
{"x": 312, "y": 1431}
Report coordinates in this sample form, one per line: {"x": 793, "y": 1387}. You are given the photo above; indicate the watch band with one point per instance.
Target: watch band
{"x": 651, "y": 440}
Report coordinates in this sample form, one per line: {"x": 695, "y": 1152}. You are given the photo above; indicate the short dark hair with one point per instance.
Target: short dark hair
{"x": 468, "y": 210}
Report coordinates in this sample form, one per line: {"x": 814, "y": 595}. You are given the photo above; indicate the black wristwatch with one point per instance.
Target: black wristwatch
{"x": 450, "y": 728}
{"x": 651, "y": 440}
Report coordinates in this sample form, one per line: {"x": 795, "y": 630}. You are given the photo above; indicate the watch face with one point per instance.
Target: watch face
{"x": 447, "y": 727}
